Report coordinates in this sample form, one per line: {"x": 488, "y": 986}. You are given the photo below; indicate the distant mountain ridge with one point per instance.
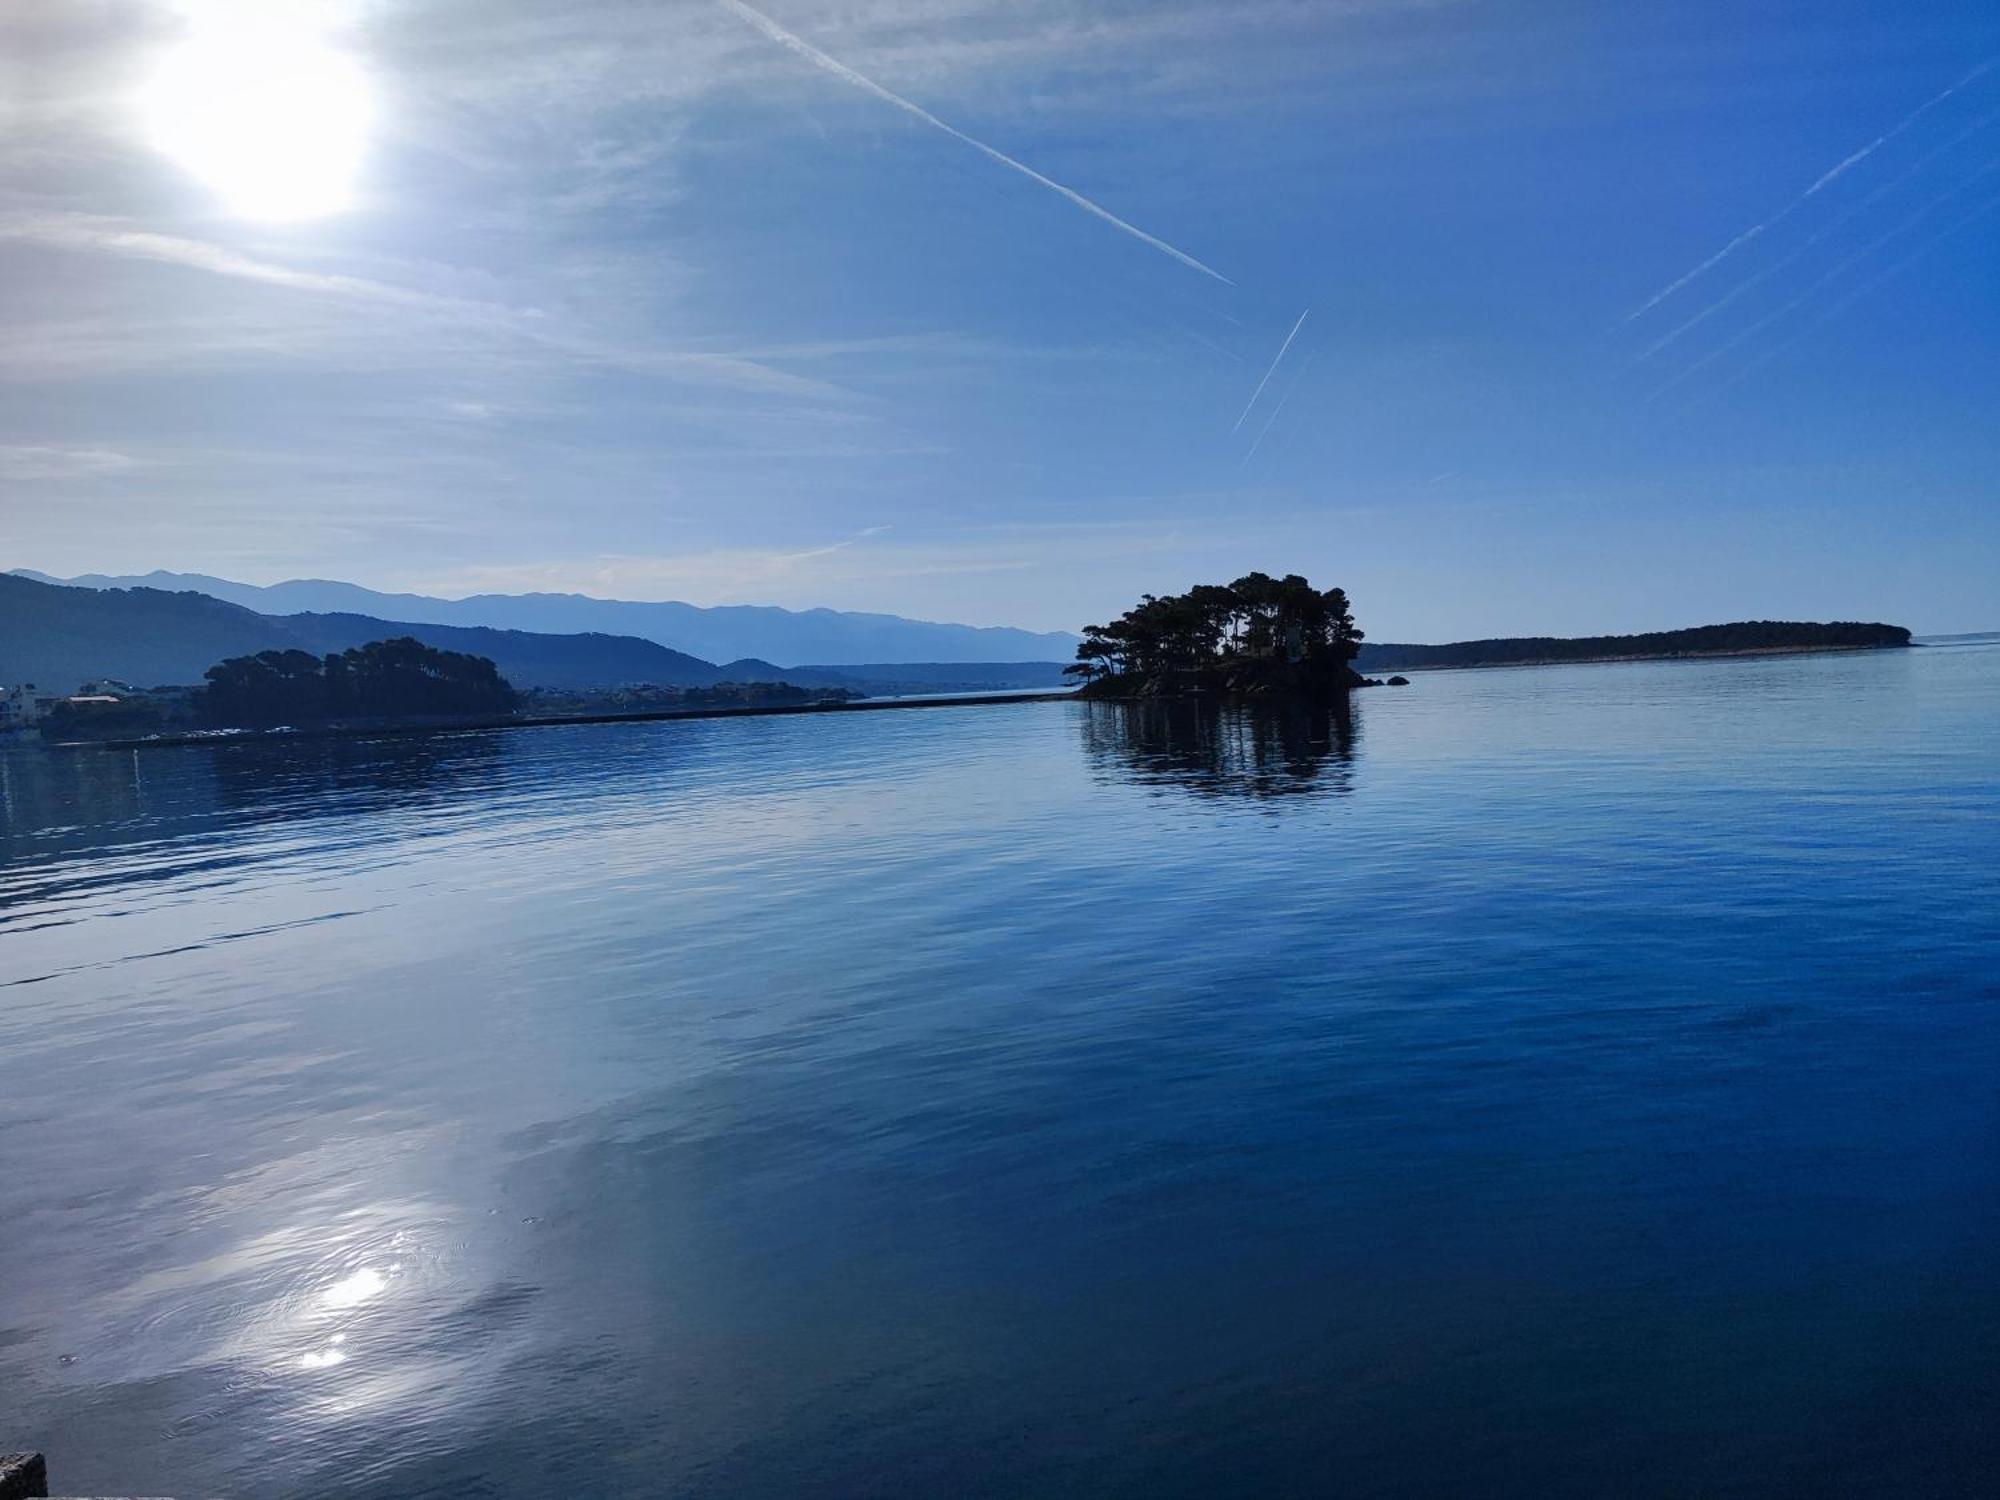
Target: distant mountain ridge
{"x": 57, "y": 636}
{"x": 832, "y": 638}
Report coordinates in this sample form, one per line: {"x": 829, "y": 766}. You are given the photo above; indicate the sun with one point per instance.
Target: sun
{"x": 274, "y": 120}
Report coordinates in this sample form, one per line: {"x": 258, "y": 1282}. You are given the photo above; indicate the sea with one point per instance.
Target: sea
{"x": 1561, "y": 1081}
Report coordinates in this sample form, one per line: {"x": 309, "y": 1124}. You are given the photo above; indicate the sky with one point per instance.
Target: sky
{"x": 1538, "y": 317}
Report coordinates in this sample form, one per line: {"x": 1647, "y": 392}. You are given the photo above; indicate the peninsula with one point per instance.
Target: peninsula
{"x": 1740, "y": 638}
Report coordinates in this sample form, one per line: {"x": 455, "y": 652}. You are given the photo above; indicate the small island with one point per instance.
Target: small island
{"x": 383, "y": 680}
{"x": 389, "y": 681}
{"x": 1259, "y": 637}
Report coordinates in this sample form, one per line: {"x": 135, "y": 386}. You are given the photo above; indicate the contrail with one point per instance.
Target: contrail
{"x": 1273, "y": 370}
{"x": 1713, "y": 261}
{"x": 839, "y": 69}
{"x": 1272, "y": 420}
{"x": 1818, "y": 235}
{"x": 1865, "y": 288}
{"x": 1834, "y": 274}
{"x": 1824, "y": 179}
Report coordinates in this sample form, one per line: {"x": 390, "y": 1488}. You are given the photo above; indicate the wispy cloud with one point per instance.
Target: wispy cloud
{"x": 840, "y": 70}
{"x": 90, "y": 234}
{"x": 830, "y": 548}
{"x": 1280, "y": 359}
{"x": 1823, "y": 181}
{"x": 35, "y": 461}
{"x": 110, "y": 237}
{"x": 797, "y": 577}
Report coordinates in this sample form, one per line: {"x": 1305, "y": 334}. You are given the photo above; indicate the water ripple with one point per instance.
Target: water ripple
{"x": 1557, "y": 1082}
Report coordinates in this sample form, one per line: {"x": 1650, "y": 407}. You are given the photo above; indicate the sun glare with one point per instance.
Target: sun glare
{"x": 273, "y": 119}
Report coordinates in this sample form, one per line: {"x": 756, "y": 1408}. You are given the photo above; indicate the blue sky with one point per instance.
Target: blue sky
{"x": 640, "y": 300}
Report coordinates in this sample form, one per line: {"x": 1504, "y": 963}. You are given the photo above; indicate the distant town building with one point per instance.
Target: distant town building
{"x": 22, "y": 708}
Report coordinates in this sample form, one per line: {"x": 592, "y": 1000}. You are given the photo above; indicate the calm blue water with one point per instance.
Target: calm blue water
{"x": 1572, "y": 1081}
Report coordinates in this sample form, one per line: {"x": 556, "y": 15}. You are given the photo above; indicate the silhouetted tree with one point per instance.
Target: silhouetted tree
{"x": 404, "y": 676}
{"x": 1258, "y": 635}
{"x": 272, "y": 687}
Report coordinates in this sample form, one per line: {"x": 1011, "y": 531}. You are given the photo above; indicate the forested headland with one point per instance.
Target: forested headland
{"x": 393, "y": 679}
{"x": 1740, "y": 638}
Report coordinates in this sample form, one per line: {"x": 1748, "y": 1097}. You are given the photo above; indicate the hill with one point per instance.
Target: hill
{"x": 1741, "y": 638}
{"x": 724, "y": 633}
{"x": 59, "y": 636}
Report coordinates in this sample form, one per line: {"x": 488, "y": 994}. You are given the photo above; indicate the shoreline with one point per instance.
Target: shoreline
{"x": 862, "y": 705}
{"x": 1502, "y": 666}
{"x": 546, "y": 721}
{"x": 1608, "y": 661}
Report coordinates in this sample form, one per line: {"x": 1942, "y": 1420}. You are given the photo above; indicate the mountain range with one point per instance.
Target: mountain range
{"x": 60, "y": 635}
{"x": 827, "y": 637}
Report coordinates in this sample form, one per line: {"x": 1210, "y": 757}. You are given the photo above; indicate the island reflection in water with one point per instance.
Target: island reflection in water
{"x": 1258, "y": 750}
{"x": 71, "y": 803}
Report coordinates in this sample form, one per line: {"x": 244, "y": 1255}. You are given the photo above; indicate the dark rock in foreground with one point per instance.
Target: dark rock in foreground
{"x": 23, "y": 1476}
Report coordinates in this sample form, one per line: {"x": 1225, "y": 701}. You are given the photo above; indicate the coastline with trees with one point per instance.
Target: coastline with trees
{"x": 386, "y": 686}
{"x": 1258, "y": 639}
{"x": 1737, "y": 638}
{"x": 1265, "y": 637}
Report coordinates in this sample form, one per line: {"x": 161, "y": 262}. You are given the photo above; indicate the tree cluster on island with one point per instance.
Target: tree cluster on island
{"x": 1257, "y": 637}
{"x": 393, "y": 679}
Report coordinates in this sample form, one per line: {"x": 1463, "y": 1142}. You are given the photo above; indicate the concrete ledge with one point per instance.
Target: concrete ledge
{"x": 24, "y": 1476}
{"x": 556, "y": 721}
